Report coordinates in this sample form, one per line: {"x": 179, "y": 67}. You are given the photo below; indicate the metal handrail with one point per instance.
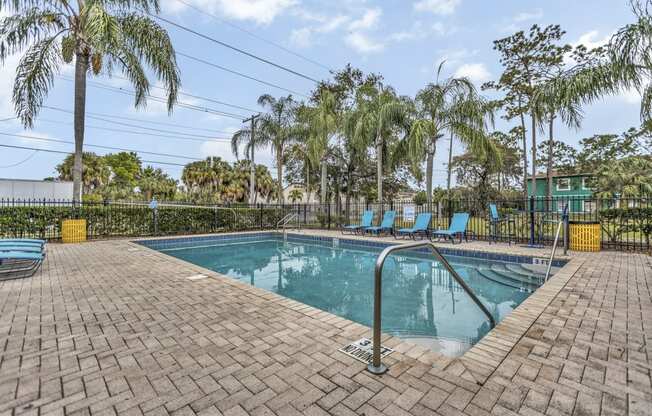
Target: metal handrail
{"x": 564, "y": 219}
{"x": 554, "y": 248}
{"x": 285, "y": 220}
{"x": 376, "y": 367}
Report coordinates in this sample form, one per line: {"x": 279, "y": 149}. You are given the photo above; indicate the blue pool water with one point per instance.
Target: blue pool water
{"x": 421, "y": 301}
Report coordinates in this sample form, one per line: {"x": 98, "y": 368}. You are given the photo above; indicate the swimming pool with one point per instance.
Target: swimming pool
{"x": 421, "y": 301}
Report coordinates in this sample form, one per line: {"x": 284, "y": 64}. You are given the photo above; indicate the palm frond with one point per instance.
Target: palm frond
{"x": 34, "y": 78}
{"x": 151, "y": 42}
{"x": 23, "y": 29}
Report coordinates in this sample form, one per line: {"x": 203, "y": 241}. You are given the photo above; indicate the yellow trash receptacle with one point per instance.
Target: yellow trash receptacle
{"x": 73, "y": 231}
{"x": 585, "y": 236}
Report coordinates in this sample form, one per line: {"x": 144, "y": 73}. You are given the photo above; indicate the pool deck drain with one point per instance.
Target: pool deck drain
{"x": 103, "y": 330}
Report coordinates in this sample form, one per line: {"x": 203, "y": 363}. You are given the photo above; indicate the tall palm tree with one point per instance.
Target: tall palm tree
{"x": 324, "y": 124}
{"x": 243, "y": 137}
{"x": 277, "y": 130}
{"x": 381, "y": 115}
{"x": 99, "y": 36}
{"x": 450, "y": 106}
{"x": 622, "y": 64}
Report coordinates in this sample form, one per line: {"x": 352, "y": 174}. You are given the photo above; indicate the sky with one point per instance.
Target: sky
{"x": 403, "y": 40}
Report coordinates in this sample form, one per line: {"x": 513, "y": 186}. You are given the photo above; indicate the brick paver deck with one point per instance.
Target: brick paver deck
{"x": 106, "y": 328}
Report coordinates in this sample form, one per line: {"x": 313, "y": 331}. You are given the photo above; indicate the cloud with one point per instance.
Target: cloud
{"x": 592, "y": 40}
{"x": 630, "y": 96}
{"x": 304, "y": 37}
{"x": 476, "y": 72}
{"x": 420, "y": 31}
{"x": 533, "y": 15}
{"x": 368, "y": 20}
{"x": 260, "y": 11}
{"x": 441, "y": 7}
{"x": 363, "y": 43}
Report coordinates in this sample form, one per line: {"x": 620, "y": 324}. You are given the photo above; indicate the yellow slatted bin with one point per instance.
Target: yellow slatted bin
{"x": 585, "y": 236}
{"x": 73, "y": 231}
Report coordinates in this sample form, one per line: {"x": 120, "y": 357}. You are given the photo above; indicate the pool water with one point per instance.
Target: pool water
{"x": 422, "y": 303}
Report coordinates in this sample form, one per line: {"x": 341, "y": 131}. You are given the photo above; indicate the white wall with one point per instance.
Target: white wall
{"x": 31, "y": 189}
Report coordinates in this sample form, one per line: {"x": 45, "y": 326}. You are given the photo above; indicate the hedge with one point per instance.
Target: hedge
{"x": 105, "y": 221}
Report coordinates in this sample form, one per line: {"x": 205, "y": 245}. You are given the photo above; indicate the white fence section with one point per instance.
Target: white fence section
{"x": 34, "y": 189}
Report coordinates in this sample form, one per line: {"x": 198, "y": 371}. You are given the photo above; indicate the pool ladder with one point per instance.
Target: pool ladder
{"x": 283, "y": 223}
{"x": 376, "y": 366}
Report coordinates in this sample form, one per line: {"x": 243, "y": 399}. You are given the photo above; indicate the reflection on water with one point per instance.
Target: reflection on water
{"x": 421, "y": 301}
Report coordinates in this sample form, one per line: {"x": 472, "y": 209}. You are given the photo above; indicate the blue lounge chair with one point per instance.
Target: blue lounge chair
{"x": 14, "y": 264}
{"x": 421, "y": 225}
{"x": 387, "y": 225}
{"x": 22, "y": 240}
{"x": 23, "y": 248}
{"x": 457, "y": 227}
{"x": 367, "y": 218}
{"x": 19, "y": 244}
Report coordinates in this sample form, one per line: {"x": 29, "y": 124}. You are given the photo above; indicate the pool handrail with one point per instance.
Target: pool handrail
{"x": 564, "y": 219}
{"x": 376, "y": 367}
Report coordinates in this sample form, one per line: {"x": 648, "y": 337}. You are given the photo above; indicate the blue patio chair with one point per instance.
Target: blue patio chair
{"x": 22, "y": 240}
{"x": 23, "y": 248}
{"x": 386, "y": 226}
{"x": 421, "y": 225}
{"x": 367, "y": 218}
{"x": 457, "y": 227}
{"x": 14, "y": 264}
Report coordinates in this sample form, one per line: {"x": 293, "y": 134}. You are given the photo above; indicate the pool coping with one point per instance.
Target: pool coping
{"x": 475, "y": 365}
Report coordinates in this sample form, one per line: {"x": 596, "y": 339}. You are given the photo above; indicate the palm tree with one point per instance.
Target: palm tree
{"x": 295, "y": 195}
{"x": 277, "y": 129}
{"x": 324, "y": 124}
{"x": 381, "y": 115}
{"x": 454, "y": 107}
{"x": 207, "y": 178}
{"x": 244, "y": 137}
{"x": 99, "y": 36}
{"x": 622, "y": 64}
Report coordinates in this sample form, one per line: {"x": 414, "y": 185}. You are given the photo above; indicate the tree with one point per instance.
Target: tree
{"x": 527, "y": 60}
{"x": 295, "y": 195}
{"x": 98, "y": 35}
{"x": 451, "y": 106}
{"x": 622, "y": 64}
{"x": 277, "y": 128}
{"x": 154, "y": 183}
{"x": 125, "y": 168}
{"x": 96, "y": 172}
{"x": 479, "y": 172}
{"x": 630, "y": 177}
{"x": 382, "y": 115}
{"x": 244, "y": 137}
{"x": 561, "y": 157}
{"x": 205, "y": 179}
{"x": 603, "y": 149}
{"x": 324, "y": 123}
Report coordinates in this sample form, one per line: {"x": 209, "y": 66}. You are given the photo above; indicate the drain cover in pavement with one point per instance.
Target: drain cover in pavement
{"x": 362, "y": 350}
{"x": 197, "y": 277}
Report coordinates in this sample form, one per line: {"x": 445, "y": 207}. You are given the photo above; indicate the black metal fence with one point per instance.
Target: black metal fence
{"x": 626, "y": 224}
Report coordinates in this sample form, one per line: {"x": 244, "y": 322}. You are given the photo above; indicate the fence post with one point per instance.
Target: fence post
{"x": 261, "y": 216}
{"x": 329, "y": 215}
{"x": 532, "y": 220}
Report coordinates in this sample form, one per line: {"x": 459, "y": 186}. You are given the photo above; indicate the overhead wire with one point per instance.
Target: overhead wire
{"x": 21, "y": 162}
{"x": 256, "y": 36}
{"x": 234, "y": 48}
{"x": 220, "y": 67}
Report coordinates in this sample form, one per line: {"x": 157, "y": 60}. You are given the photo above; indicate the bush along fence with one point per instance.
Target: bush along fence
{"x": 626, "y": 224}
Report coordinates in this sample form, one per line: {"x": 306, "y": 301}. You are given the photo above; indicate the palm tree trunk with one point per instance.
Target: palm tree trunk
{"x": 324, "y": 173}
{"x": 430, "y": 160}
{"x": 449, "y": 167}
{"x": 379, "y": 169}
{"x": 252, "y": 180}
{"x": 81, "y": 66}
{"x": 550, "y": 148}
{"x": 534, "y": 154}
{"x": 279, "y": 175}
{"x": 524, "y": 140}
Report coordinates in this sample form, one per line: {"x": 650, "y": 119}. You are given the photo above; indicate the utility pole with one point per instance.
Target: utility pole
{"x": 252, "y": 141}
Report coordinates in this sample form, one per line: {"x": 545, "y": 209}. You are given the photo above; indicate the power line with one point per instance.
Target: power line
{"x": 69, "y": 153}
{"x": 226, "y": 45}
{"x": 220, "y": 67}
{"x": 88, "y": 114}
{"x": 21, "y": 162}
{"x": 180, "y": 136}
{"x": 181, "y": 104}
{"x": 122, "y": 149}
{"x": 199, "y": 97}
{"x": 250, "y": 33}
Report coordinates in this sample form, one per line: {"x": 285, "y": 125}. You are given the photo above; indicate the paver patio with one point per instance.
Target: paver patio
{"x": 108, "y": 327}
